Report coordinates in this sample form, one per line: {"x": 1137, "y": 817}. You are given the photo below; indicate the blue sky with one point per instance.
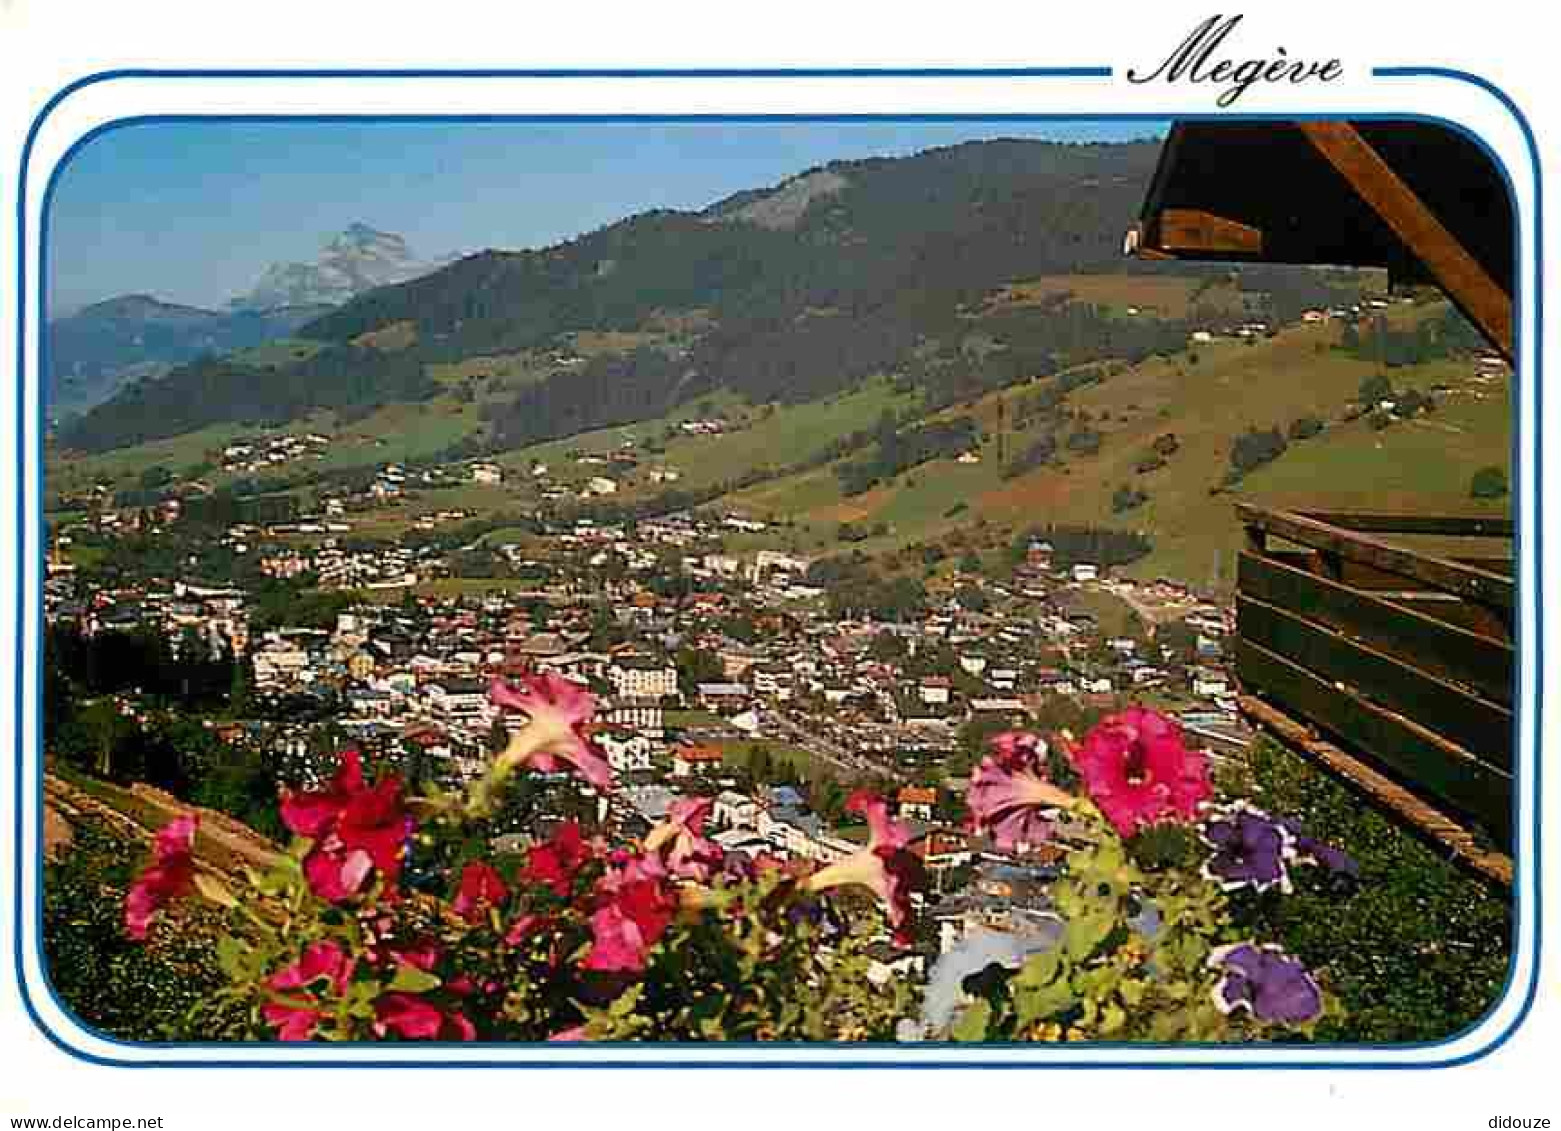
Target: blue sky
{"x": 193, "y": 212}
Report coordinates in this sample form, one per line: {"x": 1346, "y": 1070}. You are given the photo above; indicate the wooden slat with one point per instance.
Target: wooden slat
{"x": 1487, "y": 302}
{"x": 1191, "y": 229}
{"x": 1382, "y": 790}
{"x": 1403, "y": 591}
{"x": 1443, "y": 649}
{"x": 1466, "y": 581}
{"x": 1376, "y": 522}
{"x": 1460, "y": 716}
{"x": 1421, "y": 759}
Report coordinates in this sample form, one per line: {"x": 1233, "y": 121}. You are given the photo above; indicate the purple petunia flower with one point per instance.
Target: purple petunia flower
{"x": 1267, "y": 982}
{"x": 1313, "y": 851}
{"x": 1251, "y": 850}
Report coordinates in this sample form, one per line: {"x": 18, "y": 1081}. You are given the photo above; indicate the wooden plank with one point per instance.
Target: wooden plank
{"x": 1191, "y": 229}
{"x": 1383, "y": 791}
{"x": 1377, "y": 522}
{"x": 1475, "y": 584}
{"x": 1446, "y": 650}
{"x": 1404, "y": 591}
{"x": 1487, "y": 302}
{"x": 1422, "y": 760}
{"x": 1458, "y": 715}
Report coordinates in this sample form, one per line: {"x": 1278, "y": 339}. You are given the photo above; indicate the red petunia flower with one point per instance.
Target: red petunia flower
{"x": 885, "y": 865}
{"x": 555, "y": 862}
{"x": 414, "y": 1018}
{"x": 557, "y": 710}
{"x": 1139, "y": 771}
{"x": 1009, "y": 795}
{"x": 297, "y": 1012}
{"x": 170, "y": 876}
{"x": 356, "y": 828}
{"x": 637, "y": 901}
{"x": 481, "y": 887}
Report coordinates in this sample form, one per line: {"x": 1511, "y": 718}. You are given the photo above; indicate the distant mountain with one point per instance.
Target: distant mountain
{"x": 356, "y": 260}
{"x": 94, "y": 352}
{"x": 788, "y": 293}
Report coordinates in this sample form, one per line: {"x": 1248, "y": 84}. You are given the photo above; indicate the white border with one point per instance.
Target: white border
{"x": 92, "y": 106}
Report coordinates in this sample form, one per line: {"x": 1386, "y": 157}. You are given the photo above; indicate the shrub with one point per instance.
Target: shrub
{"x": 1488, "y": 483}
{"x": 129, "y": 991}
{"x": 1127, "y": 498}
{"x": 1304, "y": 428}
{"x": 1255, "y": 448}
{"x": 1085, "y": 441}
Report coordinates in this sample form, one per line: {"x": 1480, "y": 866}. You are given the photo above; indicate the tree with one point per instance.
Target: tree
{"x": 1488, "y": 483}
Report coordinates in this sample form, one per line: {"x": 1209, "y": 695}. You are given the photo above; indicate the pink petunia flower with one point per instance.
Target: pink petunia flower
{"x": 618, "y": 946}
{"x": 689, "y": 854}
{"x": 409, "y": 1016}
{"x": 557, "y": 711}
{"x": 1138, "y": 770}
{"x": 1009, "y": 795}
{"x": 481, "y": 887}
{"x": 555, "y": 862}
{"x": 885, "y": 865}
{"x": 637, "y": 902}
{"x": 297, "y": 1013}
{"x": 170, "y": 876}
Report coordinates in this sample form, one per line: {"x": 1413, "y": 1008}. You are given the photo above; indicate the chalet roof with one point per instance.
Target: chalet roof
{"x": 1420, "y": 199}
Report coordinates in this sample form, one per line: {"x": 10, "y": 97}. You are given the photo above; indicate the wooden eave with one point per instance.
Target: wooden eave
{"x": 1421, "y": 200}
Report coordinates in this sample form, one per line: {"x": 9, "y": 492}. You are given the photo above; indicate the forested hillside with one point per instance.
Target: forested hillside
{"x": 782, "y": 294}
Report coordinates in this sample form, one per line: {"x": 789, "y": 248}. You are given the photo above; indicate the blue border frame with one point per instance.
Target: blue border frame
{"x": 25, "y": 572}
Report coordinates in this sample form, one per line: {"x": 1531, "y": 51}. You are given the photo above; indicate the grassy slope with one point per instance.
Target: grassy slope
{"x": 1207, "y": 402}
{"x": 1424, "y": 464}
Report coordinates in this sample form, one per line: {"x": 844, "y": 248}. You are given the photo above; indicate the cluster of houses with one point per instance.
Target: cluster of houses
{"x": 267, "y": 453}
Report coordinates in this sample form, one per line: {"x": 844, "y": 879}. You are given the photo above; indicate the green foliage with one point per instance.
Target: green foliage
{"x": 898, "y": 450}
{"x": 1128, "y": 498}
{"x": 1304, "y": 428}
{"x": 1254, "y": 448}
{"x": 1418, "y": 953}
{"x": 212, "y": 391}
{"x": 1109, "y": 978}
{"x": 124, "y": 989}
{"x": 1093, "y": 545}
{"x": 1488, "y": 483}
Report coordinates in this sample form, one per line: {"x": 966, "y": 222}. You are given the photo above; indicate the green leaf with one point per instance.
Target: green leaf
{"x": 973, "y": 1021}
{"x": 234, "y": 959}
{"x": 411, "y": 980}
{"x": 1035, "y": 1003}
{"x": 1040, "y": 969}
{"x": 1112, "y": 1018}
{"x": 214, "y": 890}
{"x": 1085, "y": 931}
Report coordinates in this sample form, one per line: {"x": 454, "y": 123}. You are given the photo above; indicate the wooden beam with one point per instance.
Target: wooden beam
{"x": 1463, "y": 717}
{"x": 1420, "y": 759}
{"x": 1426, "y": 819}
{"x": 1193, "y": 230}
{"x": 1447, "y": 650}
{"x": 1375, "y": 522}
{"x": 1457, "y": 272}
{"x": 1466, "y": 581}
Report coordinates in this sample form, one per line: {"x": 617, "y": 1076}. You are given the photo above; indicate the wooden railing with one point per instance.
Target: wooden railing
{"x": 1402, "y": 656}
